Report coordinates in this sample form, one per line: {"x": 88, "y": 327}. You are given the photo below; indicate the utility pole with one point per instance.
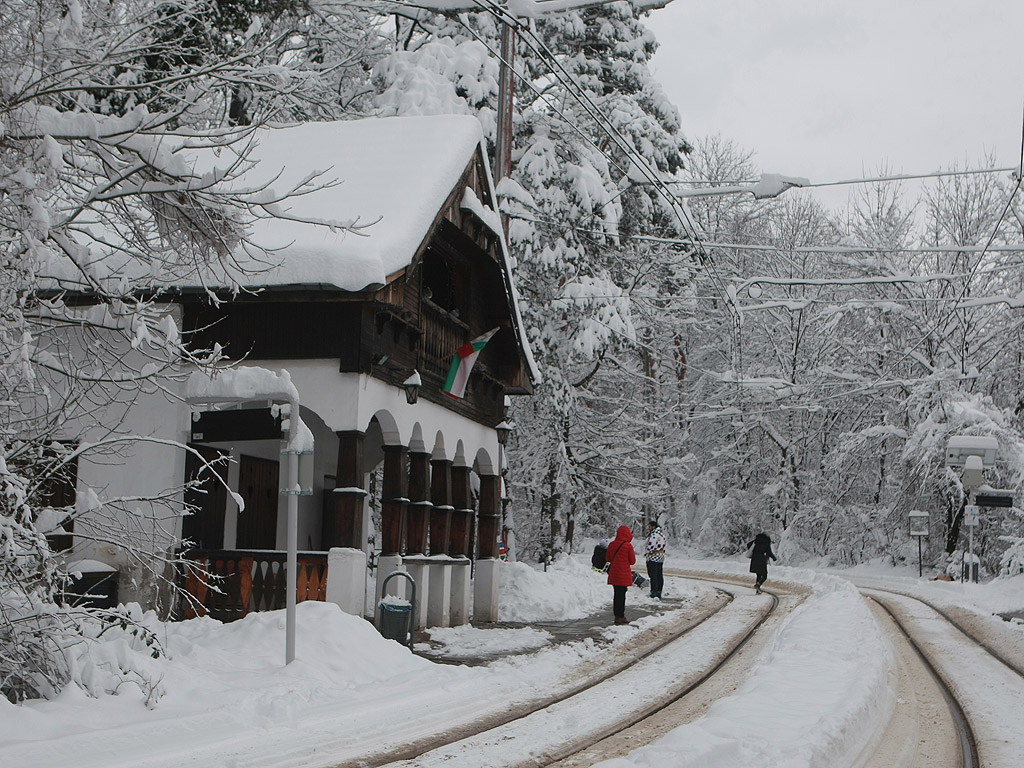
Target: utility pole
{"x": 506, "y": 89}
{"x": 503, "y": 150}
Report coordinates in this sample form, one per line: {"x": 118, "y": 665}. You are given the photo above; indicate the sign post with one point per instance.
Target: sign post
{"x": 971, "y": 521}
{"x": 246, "y": 384}
{"x": 919, "y": 530}
{"x": 973, "y": 454}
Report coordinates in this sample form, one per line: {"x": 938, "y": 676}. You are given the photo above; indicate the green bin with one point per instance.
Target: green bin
{"x": 395, "y": 621}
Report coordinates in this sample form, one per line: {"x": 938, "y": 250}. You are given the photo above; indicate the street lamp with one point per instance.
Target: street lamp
{"x": 412, "y": 388}
{"x": 503, "y": 430}
{"x": 769, "y": 186}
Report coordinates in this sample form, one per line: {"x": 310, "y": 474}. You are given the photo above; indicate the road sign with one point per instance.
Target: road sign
{"x": 971, "y": 515}
{"x": 994, "y": 498}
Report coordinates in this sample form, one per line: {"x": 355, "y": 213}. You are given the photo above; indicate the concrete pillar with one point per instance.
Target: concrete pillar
{"x": 346, "y": 579}
{"x": 486, "y": 586}
{"x": 440, "y": 594}
{"x": 419, "y": 568}
{"x": 461, "y": 592}
{"x": 460, "y": 541}
{"x": 487, "y": 577}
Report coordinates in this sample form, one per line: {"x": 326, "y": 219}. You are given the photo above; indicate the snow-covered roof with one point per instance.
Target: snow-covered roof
{"x": 339, "y": 204}
{"x": 387, "y": 177}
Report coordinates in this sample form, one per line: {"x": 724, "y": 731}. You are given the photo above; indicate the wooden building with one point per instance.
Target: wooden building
{"x": 351, "y": 314}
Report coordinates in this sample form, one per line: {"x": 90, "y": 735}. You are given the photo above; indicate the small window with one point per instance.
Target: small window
{"x": 57, "y": 491}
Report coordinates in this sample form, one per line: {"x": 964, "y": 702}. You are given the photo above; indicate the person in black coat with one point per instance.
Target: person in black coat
{"x": 760, "y": 550}
{"x": 598, "y": 558}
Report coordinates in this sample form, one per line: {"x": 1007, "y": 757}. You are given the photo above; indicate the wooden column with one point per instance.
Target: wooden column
{"x": 462, "y": 513}
{"x": 418, "y": 508}
{"x": 441, "y": 498}
{"x": 489, "y": 522}
{"x": 394, "y": 499}
{"x": 343, "y": 515}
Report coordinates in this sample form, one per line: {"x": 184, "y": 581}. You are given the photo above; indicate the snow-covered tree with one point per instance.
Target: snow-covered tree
{"x": 97, "y": 100}
{"x": 592, "y": 129}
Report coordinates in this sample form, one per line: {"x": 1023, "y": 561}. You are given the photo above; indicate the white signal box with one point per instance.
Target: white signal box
{"x": 959, "y": 447}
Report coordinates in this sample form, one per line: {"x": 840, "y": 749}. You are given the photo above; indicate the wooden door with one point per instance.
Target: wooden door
{"x": 257, "y": 484}
{"x": 205, "y": 526}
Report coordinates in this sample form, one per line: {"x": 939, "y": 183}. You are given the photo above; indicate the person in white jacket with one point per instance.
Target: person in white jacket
{"x": 654, "y": 554}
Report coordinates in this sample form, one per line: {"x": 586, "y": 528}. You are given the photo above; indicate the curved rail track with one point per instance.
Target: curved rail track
{"x": 658, "y": 650}
{"x": 965, "y": 737}
{"x": 954, "y": 679}
{"x": 1015, "y": 665}
{"x": 579, "y": 722}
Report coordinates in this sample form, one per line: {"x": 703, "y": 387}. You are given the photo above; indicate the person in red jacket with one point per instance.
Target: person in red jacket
{"x": 620, "y": 557}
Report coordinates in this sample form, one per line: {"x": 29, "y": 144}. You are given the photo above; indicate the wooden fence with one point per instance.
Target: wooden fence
{"x": 229, "y": 584}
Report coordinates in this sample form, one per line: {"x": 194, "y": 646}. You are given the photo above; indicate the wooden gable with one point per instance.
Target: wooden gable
{"x": 454, "y": 288}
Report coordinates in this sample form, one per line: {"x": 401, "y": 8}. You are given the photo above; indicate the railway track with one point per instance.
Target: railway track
{"x": 955, "y": 725}
{"x": 963, "y": 673}
{"x": 610, "y": 709}
{"x": 606, "y": 702}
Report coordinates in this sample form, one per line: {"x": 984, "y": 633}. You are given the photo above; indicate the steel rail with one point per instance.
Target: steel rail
{"x": 965, "y": 734}
{"x": 665, "y": 702}
{"x": 411, "y": 751}
{"x": 995, "y": 653}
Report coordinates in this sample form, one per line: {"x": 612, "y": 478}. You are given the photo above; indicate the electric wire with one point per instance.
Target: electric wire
{"x": 594, "y": 111}
{"x": 580, "y": 94}
{"x": 863, "y": 180}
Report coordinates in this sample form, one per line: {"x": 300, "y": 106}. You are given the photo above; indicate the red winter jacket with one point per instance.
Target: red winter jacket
{"x": 621, "y": 556}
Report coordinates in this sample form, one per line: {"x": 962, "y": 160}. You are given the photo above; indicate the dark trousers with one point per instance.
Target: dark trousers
{"x": 619, "y": 601}
{"x": 654, "y": 571}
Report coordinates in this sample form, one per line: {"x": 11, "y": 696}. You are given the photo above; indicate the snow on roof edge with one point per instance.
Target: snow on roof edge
{"x": 520, "y": 329}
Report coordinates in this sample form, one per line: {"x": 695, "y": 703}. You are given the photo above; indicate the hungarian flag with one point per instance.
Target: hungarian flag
{"x": 462, "y": 364}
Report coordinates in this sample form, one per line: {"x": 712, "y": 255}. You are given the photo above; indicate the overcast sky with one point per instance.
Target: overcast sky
{"x": 833, "y": 91}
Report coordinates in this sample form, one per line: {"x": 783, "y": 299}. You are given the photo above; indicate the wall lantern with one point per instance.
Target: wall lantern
{"x": 504, "y": 430}
{"x": 412, "y": 388}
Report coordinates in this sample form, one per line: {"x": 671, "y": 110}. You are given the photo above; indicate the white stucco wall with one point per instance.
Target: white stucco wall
{"x": 147, "y": 468}
{"x": 131, "y": 467}
{"x": 331, "y": 394}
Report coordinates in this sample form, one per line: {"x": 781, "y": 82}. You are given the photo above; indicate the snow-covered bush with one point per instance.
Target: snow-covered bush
{"x": 1011, "y": 562}
{"x": 732, "y": 523}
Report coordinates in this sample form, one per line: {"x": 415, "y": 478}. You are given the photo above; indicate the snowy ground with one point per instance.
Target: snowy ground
{"x": 222, "y": 696}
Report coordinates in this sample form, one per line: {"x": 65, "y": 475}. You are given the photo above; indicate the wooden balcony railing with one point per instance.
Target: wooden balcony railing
{"x": 229, "y": 584}
{"x": 442, "y": 335}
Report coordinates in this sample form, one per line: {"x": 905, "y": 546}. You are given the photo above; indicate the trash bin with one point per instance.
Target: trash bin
{"x": 971, "y": 572}
{"x": 395, "y": 619}
{"x": 396, "y": 615}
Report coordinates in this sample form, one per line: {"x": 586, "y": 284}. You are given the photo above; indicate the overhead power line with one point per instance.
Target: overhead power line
{"x": 746, "y": 184}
